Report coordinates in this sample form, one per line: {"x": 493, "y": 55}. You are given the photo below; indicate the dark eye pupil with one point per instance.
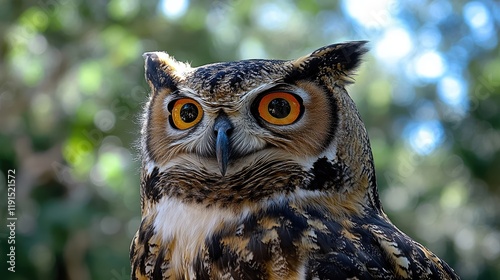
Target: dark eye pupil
{"x": 279, "y": 108}
{"x": 189, "y": 112}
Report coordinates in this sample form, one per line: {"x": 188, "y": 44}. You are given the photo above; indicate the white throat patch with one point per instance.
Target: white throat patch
{"x": 188, "y": 225}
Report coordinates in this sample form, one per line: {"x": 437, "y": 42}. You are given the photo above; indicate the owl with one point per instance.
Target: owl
{"x": 262, "y": 169}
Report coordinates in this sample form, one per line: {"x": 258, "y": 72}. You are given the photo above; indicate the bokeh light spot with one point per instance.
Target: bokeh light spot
{"x": 272, "y": 16}
{"x": 424, "y": 137}
{"x": 78, "y": 152}
{"x": 371, "y": 14}
{"x": 104, "y": 120}
{"x": 90, "y": 77}
{"x": 452, "y": 91}
{"x": 479, "y": 20}
{"x": 394, "y": 44}
{"x": 491, "y": 245}
{"x": 34, "y": 19}
{"x": 173, "y": 9}
{"x": 465, "y": 239}
{"x": 476, "y": 15}
{"x": 121, "y": 9}
{"x": 430, "y": 65}
{"x": 453, "y": 195}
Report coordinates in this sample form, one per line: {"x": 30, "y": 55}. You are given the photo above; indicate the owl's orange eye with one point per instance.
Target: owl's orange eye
{"x": 280, "y": 108}
{"x": 185, "y": 113}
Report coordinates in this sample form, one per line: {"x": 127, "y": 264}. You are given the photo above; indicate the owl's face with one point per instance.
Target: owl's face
{"x": 225, "y": 128}
{"x": 281, "y": 121}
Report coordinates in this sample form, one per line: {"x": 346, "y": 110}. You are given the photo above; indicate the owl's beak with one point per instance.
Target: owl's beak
{"x": 223, "y": 128}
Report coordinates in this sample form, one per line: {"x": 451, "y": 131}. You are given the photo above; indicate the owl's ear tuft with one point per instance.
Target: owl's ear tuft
{"x": 162, "y": 70}
{"x": 340, "y": 60}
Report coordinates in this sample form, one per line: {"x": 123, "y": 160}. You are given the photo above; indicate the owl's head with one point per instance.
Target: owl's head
{"x": 252, "y": 129}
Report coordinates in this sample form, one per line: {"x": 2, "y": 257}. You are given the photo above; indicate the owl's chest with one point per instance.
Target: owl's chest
{"x": 278, "y": 242}
{"x": 199, "y": 242}
{"x": 212, "y": 243}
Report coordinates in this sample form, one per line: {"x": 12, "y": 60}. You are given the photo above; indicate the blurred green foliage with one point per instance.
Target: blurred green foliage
{"x": 72, "y": 90}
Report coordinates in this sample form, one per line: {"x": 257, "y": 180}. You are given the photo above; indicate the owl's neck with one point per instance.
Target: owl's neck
{"x": 353, "y": 151}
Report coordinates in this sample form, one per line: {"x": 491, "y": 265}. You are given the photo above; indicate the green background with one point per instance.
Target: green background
{"x": 72, "y": 91}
